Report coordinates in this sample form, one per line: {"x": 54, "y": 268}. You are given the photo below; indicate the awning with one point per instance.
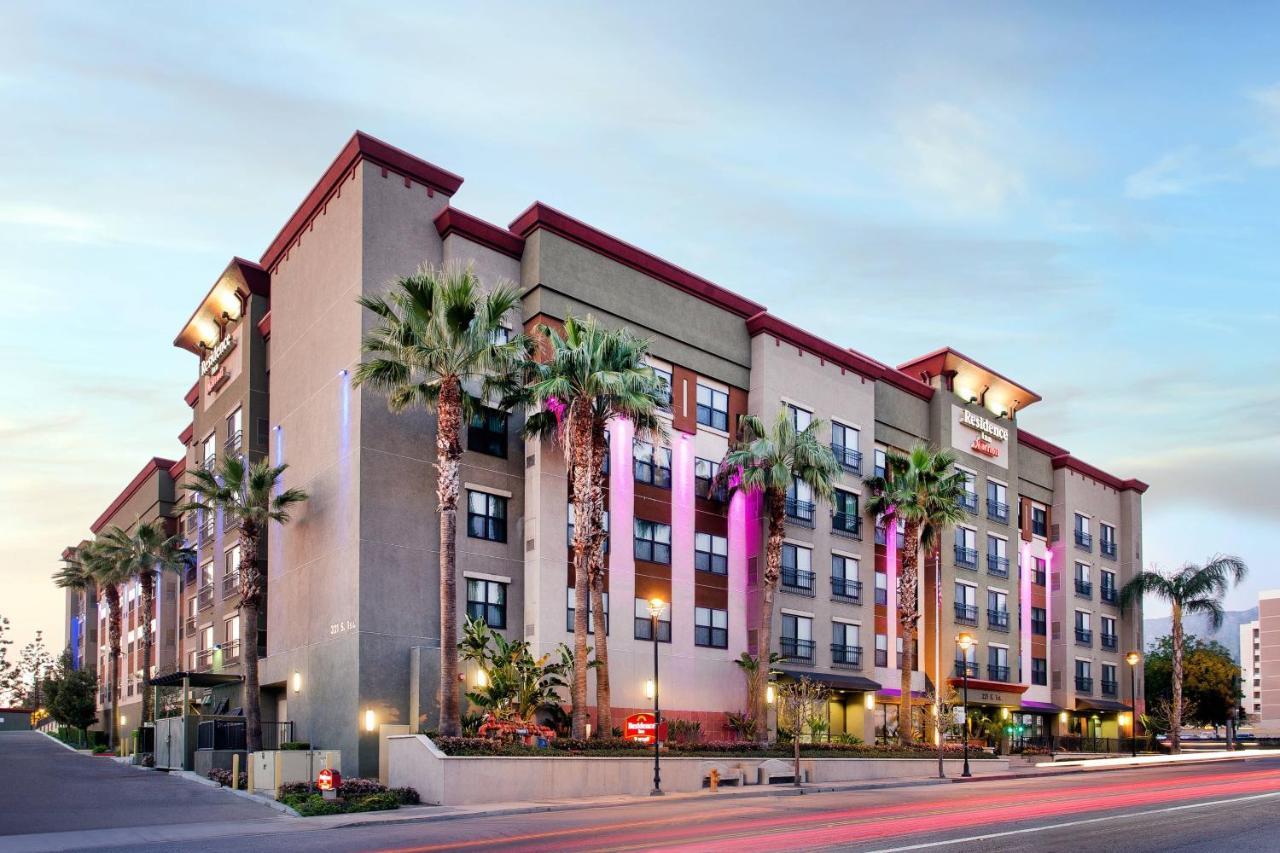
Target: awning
{"x": 1100, "y": 705}
{"x": 1040, "y": 707}
{"x": 839, "y": 682}
{"x": 195, "y": 679}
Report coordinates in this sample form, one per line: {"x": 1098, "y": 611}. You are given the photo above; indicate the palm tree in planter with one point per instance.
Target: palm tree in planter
{"x": 440, "y": 337}
{"x": 923, "y": 490}
{"x": 249, "y": 497}
{"x": 584, "y": 378}
{"x": 108, "y": 574}
{"x": 1190, "y": 589}
{"x": 771, "y": 461}
{"x": 144, "y": 553}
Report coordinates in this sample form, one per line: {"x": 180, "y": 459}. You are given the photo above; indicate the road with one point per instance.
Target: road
{"x": 1219, "y": 806}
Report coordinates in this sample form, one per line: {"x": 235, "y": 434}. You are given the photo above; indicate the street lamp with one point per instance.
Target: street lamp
{"x": 656, "y": 606}
{"x": 965, "y": 642}
{"x": 1133, "y": 659}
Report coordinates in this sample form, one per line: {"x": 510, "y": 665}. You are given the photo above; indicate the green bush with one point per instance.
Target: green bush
{"x": 374, "y": 803}
{"x": 738, "y": 749}
{"x": 295, "y": 745}
{"x": 312, "y": 805}
{"x": 406, "y": 796}
{"x": 101, "y": 749}
{"x": 292, "y": 789}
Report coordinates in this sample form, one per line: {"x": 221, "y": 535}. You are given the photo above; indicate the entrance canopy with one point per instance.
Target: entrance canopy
{"x": 1100, "y": 705}
{"x": 195, "y": 679}
{"x": 838, "y": 682}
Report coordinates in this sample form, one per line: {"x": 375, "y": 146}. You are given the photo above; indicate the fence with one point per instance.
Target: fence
{"x": 230, "y": 734}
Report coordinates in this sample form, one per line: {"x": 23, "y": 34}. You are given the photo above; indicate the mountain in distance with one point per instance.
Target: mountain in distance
{"x": 1228, "y": 635}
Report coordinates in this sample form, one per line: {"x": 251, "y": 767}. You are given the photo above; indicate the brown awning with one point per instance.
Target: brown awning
{"x": 195, "y": 679}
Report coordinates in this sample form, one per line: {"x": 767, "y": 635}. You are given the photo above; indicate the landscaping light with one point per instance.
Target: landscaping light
{"x": 648, "y": 689}
{"x": 124, "y": 721}
{"x": 297, "y": 682}
{"x": 370, "y": 720}
{"x": 770, "y": 694}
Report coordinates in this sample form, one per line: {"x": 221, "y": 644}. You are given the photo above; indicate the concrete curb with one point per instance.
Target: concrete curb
{"x": 1069, "y": 771}
{"x": 62, "y": 744}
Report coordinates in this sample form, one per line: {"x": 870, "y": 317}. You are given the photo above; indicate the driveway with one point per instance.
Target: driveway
{"x": 45, "y": 787}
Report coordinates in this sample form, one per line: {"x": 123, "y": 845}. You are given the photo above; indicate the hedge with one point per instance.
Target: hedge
{"x": 617, "y": 747}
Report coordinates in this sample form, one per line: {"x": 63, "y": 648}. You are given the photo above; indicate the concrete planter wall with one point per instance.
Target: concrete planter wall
{"x": 414, "y": 760}
{"x": 270, "y": 769}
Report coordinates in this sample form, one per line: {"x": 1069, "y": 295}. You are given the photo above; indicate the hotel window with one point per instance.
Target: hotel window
{"x": 967, "y": 659}
{"x": 704, "y": 475}
{"x": 845, "y": 518}
{"x": 652, "y": 541}
{"x": 604, "y": 523}
{"x": 969, "y": 500}
{"x": 1039, "y": 570}
{"x": 966, "y": 604}
{"x": 487, "y": 433}
{"x": 1040, "y": 671}
{"x": 882, "y": 650}
{"x": 1109, "y": 684}
{"x": 664, "y": 392}
{"x": 1109, "y": 592}
{"x": 486, "y": 516}
{"x": 1083, "y": 539}
{"x": 711, "y": 627}
{"x": 797, "y": 568}
{"x": 500, "y": 335}
{"x": 844, "y": 578}
{"x": 652, "y": 464}
{"x": 711, "y": 553}
{"x": 997, "y": 502}
{"x": 997, "y": 610}
{"x": 1084, "y": 586}
{"x": 644, "y": 623}
{"x": 882, "y": 587}
{"x": 1084, "y": 628}
{"x": 1039, "y": 621}
{"x": 1108, "y": 535}
{"x": 799, "y": 504}
{"x": 844, "y": 444}
{"x": 796, "y": 641}
{"x": 1109, "y": 638}
{"x": 1084, "y": 676}
{"x": 1039, "y": 521}
{"x": 846, "y": 644}
{"x": 209, "y": 451}
{"x": 487, "y": 601}
{"x": 235, "y": 435}
{"x": 800, "y": 418}
{"x": 713, "y": 408}
{"x": 966, "y": 547}
{"x": 881, "y": 460}
{"x": 997, "y": 663}
{"x": 591, "y": 619}
{"x": 997, "y": 556}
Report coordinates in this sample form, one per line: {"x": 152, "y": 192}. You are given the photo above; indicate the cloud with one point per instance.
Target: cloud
{"x": 1176, "y": 173}
{"x": 1263, "y": 148}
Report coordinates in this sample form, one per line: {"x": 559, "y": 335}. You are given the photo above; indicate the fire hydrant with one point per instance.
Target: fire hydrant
{"x": 715, "y": 780}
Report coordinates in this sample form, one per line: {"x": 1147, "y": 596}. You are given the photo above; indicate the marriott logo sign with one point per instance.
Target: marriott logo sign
{"x": 983, "y": 425}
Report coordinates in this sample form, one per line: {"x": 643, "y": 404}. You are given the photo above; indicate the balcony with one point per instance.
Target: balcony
{"x": 969, "y": 501}
{"x": 190, "y": 626}
{"x": 1084, "y": 684}
{"x": 209, "y": 462}
{"x": 846, "y": 589}
{"x": 1110, "y": 595}
{"x": 966, "y": 669}
{"x": 846, "y": 525}
{"x": 205, "y": 596}
{"x": 800, "y": 512}
{"x": 231, "y": 652}
{"x": 850, "y": 656}
{"x": 230, "y": 584}
{"x": 997, "y": 673}
{"x": 1084, "y": 540}
{"x": 849, "y": 459}
{"x": 998, "y": 620}
{"x": 966, "y": 614}
{"x": 234, "y": 443}
{"x": 1084, "y": 637}
{"x": 997, "y": 565}
{"x": 798, "y": 581}
{"x": 997, "y": 511}
{"x": 1110, "y": 642}
{"x": 1108, "y": 549}
{"x": 796, "y": 650}
{"x": 1109, "y": 688}
{"x": 966, "y": 558}
{"x": 204, "y": 659}
{"x": 1084, "y": 589}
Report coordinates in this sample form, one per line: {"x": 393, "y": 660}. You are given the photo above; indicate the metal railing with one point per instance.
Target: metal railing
{"x": 967, "y": 613}
{"x": 1108, "y": 549}
{"x": 794, "y": 649}
{"x": 846, "y": 655}
{"x": 997, "y": 673}
{"x": 190, "y": 625}
{"x": 997, "y": 565}
{"x": 204, "y": 659}
{"x": 229, "y": 734}
{"x": 847, "y": 589}
{"x": 998, "y": 620}
{"x": 1110, "y": 595}
{"x": 1084, "y": 684}
{"x": 849, "y": 459}
{"x": 997, "y": 511}
{"x": 234, "y": 442}
{"x": 1110, "y": 641}
{"x": 205, "y": 596}
{"x": 1084, "y": 637}
{"x": 966, "y": 557}
{"x": 800, "y": 511}
{"x": 798, "y": 580}
{"x": 209, "y": 462}
{"x": 850, "y": 525}
{"x": 1084, "y": 589}
{"x": 230, "y": 584}
{"x": 1110, "y": 688}
{"x": 1084, "y": 540}
{"x": 970, "y": 669}
{"x": 969, "y": 501}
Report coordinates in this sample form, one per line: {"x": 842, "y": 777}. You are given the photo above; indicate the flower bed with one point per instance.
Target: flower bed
{"x": 355, "y": 795}
{"x": 617, "y": 747}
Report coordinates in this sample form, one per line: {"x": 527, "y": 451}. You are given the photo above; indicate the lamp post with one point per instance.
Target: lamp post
{"x": 656, "y": 606}
{"x": 1133, "y": 659}
{"x": 965, "y": 642}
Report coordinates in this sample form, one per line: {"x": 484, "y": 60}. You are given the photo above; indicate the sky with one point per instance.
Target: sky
{"x": 1083, "y": 196}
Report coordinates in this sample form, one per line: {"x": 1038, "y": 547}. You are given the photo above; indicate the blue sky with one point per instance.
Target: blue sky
{"x": 1081, "y": 196}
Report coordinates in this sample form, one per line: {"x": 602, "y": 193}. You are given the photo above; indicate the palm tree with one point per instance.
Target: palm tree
{"x": 438, "y": 336}
{"x": 249, "y": 497}
{"x": 585, "y": 378}
{"x": 771, "y": 461}
{"x": 923, "y": 490}
{"x": 107, "y": 574}
{"x": 1190, "y": 589}
{"x": 144, "y": 553}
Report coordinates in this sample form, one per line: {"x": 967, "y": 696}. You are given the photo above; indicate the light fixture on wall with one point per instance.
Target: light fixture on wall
{"x": 297, "y": 681}
{"x": 370, "y": 720}
{"x": 770, "y": 694}
{"x": 869, "y": 701}
{"x": 482, "y": 678}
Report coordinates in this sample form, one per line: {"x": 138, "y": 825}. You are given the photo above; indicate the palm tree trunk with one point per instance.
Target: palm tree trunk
{"x": 776, "y": 501}
{"x": 1175, "y": 712}
{"x": 579, "y": 427}
{"x": 252, "y": 590}
{"x": 449, "y": 451}
{"x": 113, "y": 634}
{"x": 148, "y": 581}
{"x": 908, "y": 614}
{"x": 604, "y": 710}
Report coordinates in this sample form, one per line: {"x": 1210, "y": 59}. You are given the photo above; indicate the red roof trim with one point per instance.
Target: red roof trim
{"x": 69, "y": 552}
{"x": 935, "y": 360}
{"x": 539, "y": 215}
{"x": 1037, "y": 443}
{"x": 257, "y": 278}
{"x": 765, "y": 322}
{"x": 156, "y": 464}
{"x": 184, "y": 437}
{"x": 1081, "y": 467}
{"x": 454, "y": 221}
{"x": 193, "y": 396}
{"x": 264, "y": 326}
{"x": 178, "y": 469}
{"x": 361, "y": 146}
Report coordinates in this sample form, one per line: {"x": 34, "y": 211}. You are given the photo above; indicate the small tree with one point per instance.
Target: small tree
{"x": 34, "y": 667}
{"x": 9, "y": 679}
{"x": 757, "y": 679}
{"x": 516, "y": 685}
{"x": 800, "y": 703}
{"x": 70, "y": 696}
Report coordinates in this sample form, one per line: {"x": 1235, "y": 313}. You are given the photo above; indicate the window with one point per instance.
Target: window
{"x": 711, "y": 627}
{"x": 644, "y": 622}
{"x": 664, "y": 380}
{"x": 882, "y": 650}
{"x": 1038, "y": 621}
{"x": 1039, "y": 521}
{"x": 1083, "y": 539}
{"x": 1084, "y": 628}
{"x": 487, "y": 601}
{"x": 997, "y": 556}
{"x": 652, "y": 464}
{"x": 997, "y": 663}
{"x": 797, "y": 568}
{"x": 711, "y": 553}
{"x": 844, "y": 444}
{"x": 1109, "y": 592}
{"x": 997, "y": 610}
{"x": 882, "y": 588}
{"x": 486, "y": 516}
{"x": 969, "y": 500}
{"x": 1040, "y": 671}
{"x": 713, "y": 408}
{"x": 1084, "y": 676}
{"x": 799, "y": 503}
{"x": 797, "y": 637}
{"x": 997, "y": 502}
{"x": 915, "y": 655}
{"x": 500, "y": 335}
{"x": 231, "y": 630}
{"x": 591, "y": 618}
{"x": 1039, "y": 570}
{"x": 487, "y": 433}
{"x": 1109, "y": 679}
{"x": 604, "y": 523}
{"x": 652, "y": 541}
{"x": 800, "y": 418}
{"x": 209, "y": 452}
{"x": 235, "y": 435}
{"x": 967, "y": 661}
{"x": 844, "y": 578}
{"x": 1108, "y": 534}
{"x": 704, "y": 475}
{"x": 1084, "y": 587}
{"x": 881, "y": 460}
{"x": 966, "y": 604}
{"x": 1109, "y": 638}
{"x": 966, "y": 547}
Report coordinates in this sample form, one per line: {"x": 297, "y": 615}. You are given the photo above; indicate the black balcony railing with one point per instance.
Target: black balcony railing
{"x": 800, "y": 511}
{"x": 206, "y": 596}
{"x": 234, "y": 443}
{"x": 846, "y": 655}
{"x": 794, "y": 649}
{"x": 1084, "y": 684}
{"x": 849, "y": 459}
{"x": 1084, "y": 637}
{"x": 1084, "y": 589}
{"x": 847, "y": 589}
{"x": 1084, "y": 540}
{"x": 967, "y": 614}
{"x": 997, "y": 673}
{"x": 1109, "y": 688}
{"x": 969, "y": 669}
{"x": 969, "y": 500}
{"x": 966, "y": 557}
{"x": 998, "y": 620}
{"x": 230, "y": 584}
{"x": 798, "y": 580}
{"x": 1108, "y": 549}
{"x": 229, "y": 734}
{"x": 846, "y": 524}
{"x": 997, "y": 565}
{"x": 997, "y": 511}
{"x": 1110, "y": 595}
{"x": 1110, "y": 641}
{"x": 209, "y": 462}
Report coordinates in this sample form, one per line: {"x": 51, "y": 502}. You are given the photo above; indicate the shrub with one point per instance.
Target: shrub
{"x": 289, "y": 789}
{"x": 406, "y": 796}
{"x": 357, "y": 787}
{"x": 101, "y": 749}
{"x": 313, "y": 805}
{"x": 295, "y": 745}
{"x": 374, "y": 803}
{"x": 223, "y": 777}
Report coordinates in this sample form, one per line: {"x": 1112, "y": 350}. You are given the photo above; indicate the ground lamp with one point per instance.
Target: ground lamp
{"x": 656, "y": 606}
{"x": 965, "y": 642}
{"x": 1133, "y": 659}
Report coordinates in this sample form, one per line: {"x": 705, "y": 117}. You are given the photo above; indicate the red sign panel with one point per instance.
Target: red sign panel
{"x": 329, "y": 780}
{"x": 986, "y": 448}
{"x": 640, "y": 727}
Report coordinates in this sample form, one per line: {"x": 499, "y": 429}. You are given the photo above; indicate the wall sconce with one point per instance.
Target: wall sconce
{"x": 1062, "y": 718}
{"x": 1004, "y": 713}
{"x": 124, "y": 721}
{"x": 770, "y": 694}
{"x": 869, "y": 701}
{"x": 297, "y": 682}
{"x": 482, "y": 678}
{"x": 370, "y": 720}
{"x": 648, "y": 689}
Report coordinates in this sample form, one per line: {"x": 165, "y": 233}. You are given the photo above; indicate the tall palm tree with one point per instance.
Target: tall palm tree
{"x": 1190, "y": 589}
{"x": 770, "y": 460}
{"x": 107, "y": 574}
{"x": 146, "y": 552}
{"x": 923, "y": 490}
{"x": 584, "y": 378}
{"x": 438, "y": 337}
{"x": 76, "y": 577}
{"x": 249, "y": 497}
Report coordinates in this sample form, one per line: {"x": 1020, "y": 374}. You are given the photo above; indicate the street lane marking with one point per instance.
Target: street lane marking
{"x": 1070, "y": 823}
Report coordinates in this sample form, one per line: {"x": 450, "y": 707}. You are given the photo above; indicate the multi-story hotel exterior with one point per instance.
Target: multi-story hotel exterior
{"x": 352, "y": 624}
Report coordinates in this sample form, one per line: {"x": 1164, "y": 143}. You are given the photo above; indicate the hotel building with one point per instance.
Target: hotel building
{"x": 351, "y": 626}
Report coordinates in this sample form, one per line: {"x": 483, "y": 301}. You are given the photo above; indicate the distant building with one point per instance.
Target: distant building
{"x": 1264, "y": 678}
{"x": 1250, "y": 670}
